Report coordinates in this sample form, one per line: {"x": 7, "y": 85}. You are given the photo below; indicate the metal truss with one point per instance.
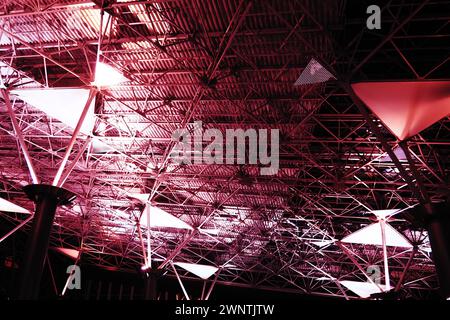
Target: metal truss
{"x": 230, "y": 64}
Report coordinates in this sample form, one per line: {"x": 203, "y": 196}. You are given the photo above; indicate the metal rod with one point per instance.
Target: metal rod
{"x": 438, "y": 232}
{"x": 41, "y": 53}
{"x": 385, "y": 256}
{"x": 179, "y": 280}
{"x": 408, "y": 264}
{"x": 19, "y": 134}
{"x": 66, "y": 174}
{"x": 45, "y": 70}
{"x": 149, "y": 249}
{"x": 142, "y": 244}
{"x": 17, "y": 228}
{"x": 203, "y": 291}
{"x": 388, "y": 38}
{"x": 47, "y": 199}
{"x": 213, "y": 284}
{"x": 69, "y": 278}
{"x": 74, "y": 137}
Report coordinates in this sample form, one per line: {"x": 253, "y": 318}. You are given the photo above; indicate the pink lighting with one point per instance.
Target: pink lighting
{"x": 162, "y": 219}
{"x": 49, "y": 101}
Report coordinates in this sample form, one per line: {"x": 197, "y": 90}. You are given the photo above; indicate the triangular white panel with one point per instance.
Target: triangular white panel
{"x": 68, "y": 252}
{"x": 64, "y": 104}
{"x": 200, "y": 270}
{"x": 162, "y": 219}
{"x": 313, "y": 73}
{"x": 382, "y": 214}
{"x": 371, "y": 234}
{"x": 363, "y": 289}
{"x": 406, "y": 108}
{"x": 143, "y": 197}
{"x": 98, "y": 146}
{"x": 213, "y": 232}
{"x": 7, "y": 206}
{"x": 106, "y": 75}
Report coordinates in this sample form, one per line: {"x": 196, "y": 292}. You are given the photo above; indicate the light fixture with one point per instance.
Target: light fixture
{"x": 371, "y": 235}
{"x": 49, "y": 102}
{"x": 406, "y": 107}
{"x": 7, "y": 206}
{"x": 72, "y": 253}
{"x": 106, "y": 75}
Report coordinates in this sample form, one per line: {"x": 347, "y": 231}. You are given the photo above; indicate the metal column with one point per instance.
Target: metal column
{"x": 439, "y": 234}
{"x": 47, "y": 199}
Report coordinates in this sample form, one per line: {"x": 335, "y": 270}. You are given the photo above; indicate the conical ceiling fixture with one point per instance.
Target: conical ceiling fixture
{"x": 162, "y": 219}
{"x": 406, "y": 108}
{"x": 200, "y": 270}
{"x": 363, "y": 289}
{"x": 63, "y": 104}
{"x": 371, "y": 235}
{"x": 7, "y": 206}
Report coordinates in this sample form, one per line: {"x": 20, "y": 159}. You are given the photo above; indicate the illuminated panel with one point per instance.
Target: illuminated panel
{"x": 64, "y": 104}
{"x": 7, "y": 206}
{"x": 371, "y": 234}
{"x": 406, "y": 108}
{"x": 200, "y": 270}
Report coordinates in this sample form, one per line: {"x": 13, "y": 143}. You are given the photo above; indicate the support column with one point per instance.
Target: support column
{"x": 439, "y": 234}
{"x": 47, "y": 198}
